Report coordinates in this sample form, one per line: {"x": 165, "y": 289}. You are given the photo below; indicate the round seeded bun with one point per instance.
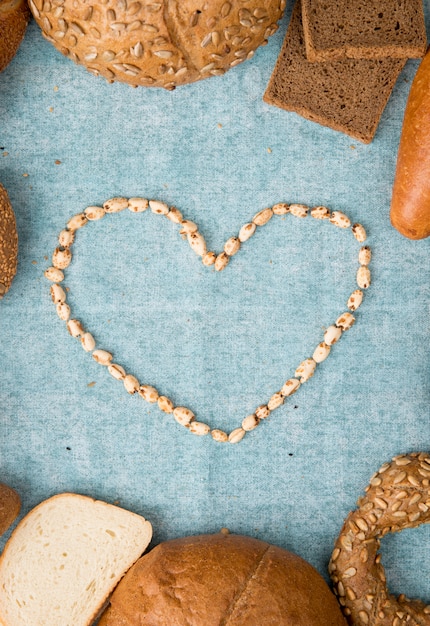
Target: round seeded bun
{"x": 210, "y": 580}
{"x": 8, "y": 242}
{"x": 161, "y": 43}
{"x": 10, "y": 505}
{"x": 14, "y": 15}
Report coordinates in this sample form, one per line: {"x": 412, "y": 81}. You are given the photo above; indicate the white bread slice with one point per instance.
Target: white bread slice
{"x": 64, "y": 559}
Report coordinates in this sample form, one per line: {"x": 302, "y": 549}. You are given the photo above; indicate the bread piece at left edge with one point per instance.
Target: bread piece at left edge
{"x": 64, "y": 559}
{"x": 8, "y": 243}
{"x": 14, "y": 16}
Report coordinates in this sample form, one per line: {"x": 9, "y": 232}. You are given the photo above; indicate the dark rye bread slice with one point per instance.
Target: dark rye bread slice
{"x": 363, "y": 29}
{"x": 348, "y": 95}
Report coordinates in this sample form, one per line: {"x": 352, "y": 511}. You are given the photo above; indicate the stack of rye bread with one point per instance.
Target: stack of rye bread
{"x": 341, "y": 58}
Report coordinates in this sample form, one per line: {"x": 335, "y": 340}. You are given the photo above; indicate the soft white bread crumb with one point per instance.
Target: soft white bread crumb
{"x": 64, "y": 559}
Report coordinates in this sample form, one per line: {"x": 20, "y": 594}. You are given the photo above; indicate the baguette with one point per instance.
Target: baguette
{"x": 410, "y": 202}
{"x": 14, "y": 16}
{"x": 10, "y": 504}
{"x": 64, "y": 558}
{"x": 8, "y": 242}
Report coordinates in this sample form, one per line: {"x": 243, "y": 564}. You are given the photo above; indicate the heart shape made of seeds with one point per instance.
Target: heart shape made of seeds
{"x": 62, "y": 258}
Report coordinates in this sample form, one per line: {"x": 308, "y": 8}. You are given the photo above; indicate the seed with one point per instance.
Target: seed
{"x": 232, "y": 246}
{"x": 209, "y": 258}
{"x": 131, "y": 384}
{"x": 174, "y": 215}
{"x": 88, "y": 342}
{"x": 197, "y": 243}
{"x": 365, "y": 255}
{"x": 399, "y": 477}
{"x": 221, "y": 261}
{"x": 206, "y": 40}
{"x": 183, "y": 415}
{"x": 340, "y": 220}
{"x": 332, "y": 335}
{"x": 61, "y": 258}
{"x": 345, "y": 321}
{"x": 275, "y": 401}
{"x": 281, "y": 208}
{"x": 102, "y": 357}
{"x": 381, "y": 503}
{"x": 160, "y": 208}
{"x": 355, "y": 299}
{"x": 262, "y": 217}
{"x": 320, "y": 213}
{"x": 362, "y": 524}
{"x": 236, "y": 435}
{"x": 63, "y": 311}
{"x": 148, "y": 393}
{"x": 57, "y": 294}
{"x": 116, "y": 371}
{"x": 77, "y": 221}
{"x": 350, "y": 594}
{"x": 194, "y": 18}
{"x": 219, "y": 435}
{"x": 165, "y": 404}
{"x": 340, "y": 589}
{"x": 262, "y": 412}
{"x": 54, "y": 274}
{"x": 94, "y": 212}
{"x": 250, "y": 422}
{"x": 290, "y": 387}
{"x": 305, "y": 370}
{"x": 414, "y": 481}
{"x": 66, "y": 238}
{"x": 350, "y": 572}
{"x": 199, "y": 428}
{"x": 75, "y": 328}
{"x": 115, "y": 205}
{"x": 359, "y": 232}
{"x": 363, "y": 277}
{"x": 225, "y": 9}
{"x": 364, "y": 617}
{"x": 187, "y": 226}
{"x": 346, "y": 542}
{"x": 321, "y": 352}
{"x": 138, "y": 205}
{"x": 247, "y": 231}
{"x": 299, "y": 210}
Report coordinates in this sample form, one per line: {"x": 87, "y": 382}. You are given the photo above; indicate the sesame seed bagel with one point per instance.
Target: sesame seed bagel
{"x": 209, "y": 580}
{"x": 162, "y": 43}
{"x": 10, "y": 505}
{"x": 14, "y": 16}
{"x": 397, "y": 497}
{"x": 8, "y": 242}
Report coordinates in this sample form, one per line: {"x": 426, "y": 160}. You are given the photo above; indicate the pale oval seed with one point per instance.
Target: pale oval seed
{"x": 209, "y": 258}
{"x": 232, "y": 246}
{"x": 219, "y": 435}
{"x": 88, "y": 342}
{"x": 187, "y": 226}
{"x": 63, "y": 311}
{"x": 57, "y": 294}
{"x": 262, "y": 411}
{"x": 61, "y": 258}
{"x": 359, "y": 232}
{"x": 131, "y": 384}
{"x": 103, "y": 357}
{"x": 247, "y": 231}
{"x": 221, "y": 261}
{"x": 262, "y": 217}
{"x": 149, "y": 393}
{"x": 174, "y": 215}
{"x": 365, "y": 255}
{"x": 165, "y": 404}
{"x": 116, "y": 371}
{"x": 75, "y": 328}
{"x": 320, "y": 213}
{"x": 340, "y": 220}
{"x": 199, "y": 428}
{"x": 299, "y": 210}
{"x": 305, "y": 370}
{"x": 355, "y": 300}
{"x": 275, "y": 401}
{"x": 197, "y": 243}
{"x": 66, "y": 238}
{"x": 54, "y": 274}
{"x": 363, "y": 277}
{"x": 94, "y": 212}
{"x": 281, "y": 208}
{"x": 332, "y": 335}
{"x": 77, "y": 221}
{"x": 183, "y": 415}
{"x": 321, "y": 352}
{"x": 138, "y": 205}
{"x": 236, "y": 435}
{"x": 115, "y": 205}
{"x": 250, "y": 422}
{"x": 290, "y": 387}
{"x": 159, "y": 208}
{"x": 345, "y": 321}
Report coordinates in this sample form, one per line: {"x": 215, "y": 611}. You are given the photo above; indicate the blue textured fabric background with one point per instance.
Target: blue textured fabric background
{"x": 219, "y": 343}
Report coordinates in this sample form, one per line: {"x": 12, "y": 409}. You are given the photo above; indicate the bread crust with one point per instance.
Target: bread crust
{"x": 410, "y": 202}
{"x": 14, "y": 16}
{"x": 208, "y": 580}
{"x": 166, "y": 43}
{"x": 8, "y": 243}
{"x": 10, "y": 505}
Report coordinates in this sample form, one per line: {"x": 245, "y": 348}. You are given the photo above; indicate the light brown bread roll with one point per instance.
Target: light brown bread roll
{"x": 14, "y": 16}
{"x": 8, "y": 243}
{"x": 161, "y": 43}
{"x": 10, "y": 505}
{"x": 209, "y": 580}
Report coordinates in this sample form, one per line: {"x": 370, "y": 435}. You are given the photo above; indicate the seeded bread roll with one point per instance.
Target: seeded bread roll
{"x": 14, "y": 16}
{"x": 398, "y": 497}
{"x": 64, "y": 558}
{"x": 8, "y": 243}
{"x": 348, "y": 95}
{"x": 10, "y": 505}
{"x": 163, "y": 43}
{"x": 363, "y": 29}
{"x": 209, "y": 580}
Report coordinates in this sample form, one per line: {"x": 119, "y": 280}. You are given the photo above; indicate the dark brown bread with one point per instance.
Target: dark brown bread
{"x": 14, "y": 15}
{"x": 8, "y": 243}
{"x": 348, "y": 95}
{"x": 10, "y": 505}
{"x": 209, "y": 580}
{"x": 363, "y": 29}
